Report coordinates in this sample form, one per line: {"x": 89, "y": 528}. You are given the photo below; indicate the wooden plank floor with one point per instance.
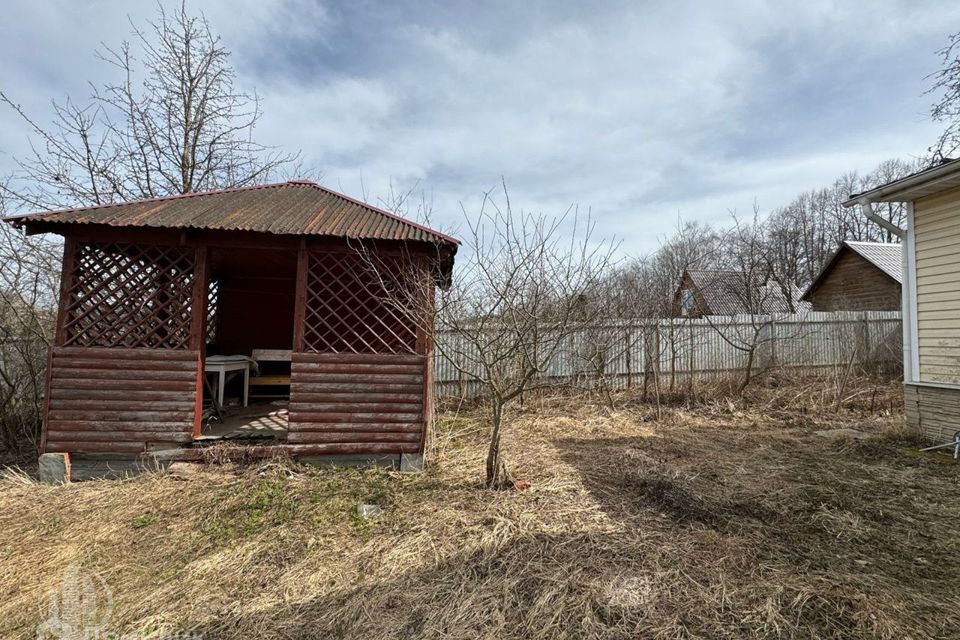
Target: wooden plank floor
{"x": 256, "y": 421}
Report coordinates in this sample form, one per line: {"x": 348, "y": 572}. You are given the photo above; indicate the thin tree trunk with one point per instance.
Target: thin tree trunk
{"x": 748, "y": 373}
{"x": 493, "y": 453}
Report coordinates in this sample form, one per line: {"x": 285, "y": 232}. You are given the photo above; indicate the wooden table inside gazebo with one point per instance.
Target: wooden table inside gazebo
{"x": 224, "y": 365}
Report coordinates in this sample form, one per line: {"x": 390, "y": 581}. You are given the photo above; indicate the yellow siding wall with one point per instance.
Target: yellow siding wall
{"x": 937, "y": 227}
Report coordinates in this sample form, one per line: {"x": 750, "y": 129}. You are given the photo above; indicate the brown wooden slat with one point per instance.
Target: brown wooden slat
{"x": 269, "y": 381}
{"x": 198, "y": 300}
{"x": 343, "y": 448}
{"x": 371, "y": 407}
{"x": 352, "y": 436}
{"x": 73, "y": 404}
{"x": 356, "y": 403}
{"x": 302, "y": 377}
{"x": 340, "y": 387}
{"x": 121, "y": 416}
{"x": 299, "y": 416}
{"x": 333, "y": 368}
{"x": 403, "y": 427}
{"x": 362, "y": 396}
{"x": 184, "y": 386}
{"x": 142, "y": 355}
{"x": 131, "y": 397}
{"x": 108, "y": 427}
{"x": 73, "y": 373}
{"x": 125, "y": 365}
{"x": 119, "y": 436}
{"x": 74, "y": 446}
{"x": 300, "y": 294}
{"x": 48, "y": 376}
{"x": 358, "y": 358}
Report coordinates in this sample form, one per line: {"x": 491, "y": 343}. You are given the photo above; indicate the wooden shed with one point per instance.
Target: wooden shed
{"x": 930, "y": 293}
{"x": 323, "y": 303}
{"x": 859, "y": 276}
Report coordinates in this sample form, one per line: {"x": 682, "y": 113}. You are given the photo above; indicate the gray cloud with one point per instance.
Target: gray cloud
{"x": 639, "y": 112}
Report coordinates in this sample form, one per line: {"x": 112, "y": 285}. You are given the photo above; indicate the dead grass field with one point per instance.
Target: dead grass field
{"x": 726, "y": 520}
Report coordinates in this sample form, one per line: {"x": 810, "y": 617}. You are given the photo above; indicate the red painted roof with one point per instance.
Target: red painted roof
{"x": 296, "y": 207}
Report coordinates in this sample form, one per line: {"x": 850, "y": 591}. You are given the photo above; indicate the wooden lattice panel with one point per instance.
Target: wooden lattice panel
{"x": 354, "y": 306}
{"x": 129, "y": 296}
{"x": 213, "y": 310}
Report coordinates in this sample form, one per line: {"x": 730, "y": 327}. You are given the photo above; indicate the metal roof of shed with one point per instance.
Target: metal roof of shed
{"x": 297, "y": 207}
{"x": 886, "y": 256}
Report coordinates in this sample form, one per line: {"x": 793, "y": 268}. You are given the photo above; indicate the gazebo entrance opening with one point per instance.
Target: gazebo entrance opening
{"x": 250, "y": 305}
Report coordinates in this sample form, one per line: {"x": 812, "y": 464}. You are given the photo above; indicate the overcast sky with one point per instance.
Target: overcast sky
{"x": 638, "y": 111}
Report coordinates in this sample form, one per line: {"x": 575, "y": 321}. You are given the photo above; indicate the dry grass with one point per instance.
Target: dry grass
{"x": 724, "y": 520}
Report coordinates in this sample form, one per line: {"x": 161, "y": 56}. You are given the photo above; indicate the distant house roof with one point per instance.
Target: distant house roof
{"x": 725, "y": 293}
{"x": 886, "y": 256}
{"x": 297, "y": 207}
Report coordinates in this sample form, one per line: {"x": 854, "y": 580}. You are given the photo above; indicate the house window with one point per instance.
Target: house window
{"x": 687, "y": 301}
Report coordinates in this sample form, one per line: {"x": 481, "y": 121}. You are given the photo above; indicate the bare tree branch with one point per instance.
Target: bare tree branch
{"x": 173, "y": 122}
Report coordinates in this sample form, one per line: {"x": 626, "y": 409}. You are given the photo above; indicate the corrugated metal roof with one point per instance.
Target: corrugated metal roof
{"x": 298, "y": 207}
{"x": 726, "y": 294}
{"x": 886, "y": 256}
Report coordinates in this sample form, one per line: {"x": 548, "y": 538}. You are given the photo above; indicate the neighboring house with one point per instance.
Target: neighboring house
{"x": 860, "y": 276}
{"x": 931, "y": 293}
{"x": 293, "y": 272}
{"x": 728, "y": 293}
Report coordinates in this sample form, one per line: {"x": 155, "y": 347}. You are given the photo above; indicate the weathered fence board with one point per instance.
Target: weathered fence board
{"x": 622, "y": 353}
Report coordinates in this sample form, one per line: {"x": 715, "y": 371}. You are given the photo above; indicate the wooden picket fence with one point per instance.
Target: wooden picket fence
{"x": 627, "y": 353}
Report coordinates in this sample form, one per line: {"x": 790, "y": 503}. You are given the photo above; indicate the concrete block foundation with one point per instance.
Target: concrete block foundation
{"x": 54, "y": 468}
{"x": 411, "y": 462}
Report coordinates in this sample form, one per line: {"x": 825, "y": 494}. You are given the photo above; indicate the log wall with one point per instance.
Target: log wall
{"x": 357, "y": 403}
{"x": 855, "y": 284}
{"x": 120, "y": 400}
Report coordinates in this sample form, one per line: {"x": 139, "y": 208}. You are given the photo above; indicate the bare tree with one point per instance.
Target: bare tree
{"x": 751, "y": 283}
{"x": 946, "y": 108}
{"x": 803, "y": 234}
{"x": 28, "y": 299}
{"x": 514, "y": 303}
{"x": 693, "y": 245}
{"x": 173, "y": 122}
{"x": 645, "y": 288}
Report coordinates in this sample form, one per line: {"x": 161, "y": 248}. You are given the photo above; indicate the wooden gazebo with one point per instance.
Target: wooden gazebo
{"x": 151, "y": 288}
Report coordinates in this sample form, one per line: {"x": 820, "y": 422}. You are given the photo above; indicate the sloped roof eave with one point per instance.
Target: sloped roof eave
{"x": 287, "y": 208}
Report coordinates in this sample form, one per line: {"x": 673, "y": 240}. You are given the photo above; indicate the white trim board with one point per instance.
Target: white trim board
{"x": 910, "y": 308}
